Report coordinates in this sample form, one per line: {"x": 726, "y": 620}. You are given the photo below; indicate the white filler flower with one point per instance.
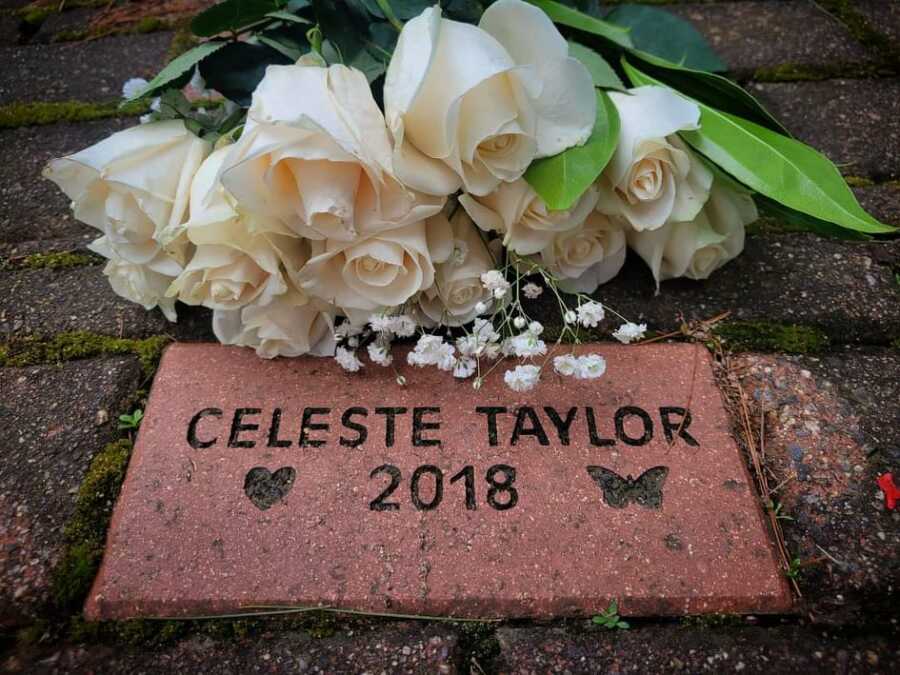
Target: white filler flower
{"x": 629, "y": 332}
{"x": 522, "y": 378}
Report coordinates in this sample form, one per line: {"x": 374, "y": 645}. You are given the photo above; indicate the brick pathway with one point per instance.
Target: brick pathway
{"x": 829, "y": 69}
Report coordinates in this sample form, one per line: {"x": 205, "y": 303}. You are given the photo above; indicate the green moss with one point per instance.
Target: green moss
{"x": 791, "y": 72}
{"x": 859, "y": 181}
{"x": 860, "y": 28}
{"x": 149, "y": 24}
{"x": 34, "y": 350}
{"x": 35, "y": 15}
{"x": 895, "y": 343}
{"x": 60, "y": 260}
{"x": 31, "y": 114}
{"x": 182, "y": 41}
{"x": 772, "y": 337}
{"x": 85, "y": 533}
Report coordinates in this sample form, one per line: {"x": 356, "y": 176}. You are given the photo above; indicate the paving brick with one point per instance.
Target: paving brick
{"x": 833, "y": 427}
{"x": 47, "y": 301}
{"x": 882, "y": 201}
{"x": 399, "y": 648}
{"x": 854, "y": 122}
{"x": 752, "y": 35}
{"x": 32, "y": 207}
{"x": 656, "y": 649}
{"x": 58, "y": 23}
{"x": 94, "y": 70}
{"x": 52, "y": 421}
{"x": 883, "y": 16}
{"x": 846, "y": 289}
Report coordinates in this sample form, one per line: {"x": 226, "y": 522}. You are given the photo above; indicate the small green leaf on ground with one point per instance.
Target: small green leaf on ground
{"x": 568, "y": 16}
{"x": 561, "y": 179}
{"x": 666, "y": 35}
{"x": 609, "y": 618}
{"x": 132, "y": 421}
{"x": 601, "y": 72}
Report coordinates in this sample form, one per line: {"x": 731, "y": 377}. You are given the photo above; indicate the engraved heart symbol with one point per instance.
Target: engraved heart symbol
{"x": 265, "y": 488}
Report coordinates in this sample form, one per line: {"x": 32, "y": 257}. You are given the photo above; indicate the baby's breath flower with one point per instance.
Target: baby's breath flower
{"x": 535, "y": 328}
{"x": 353, "y": 342}
{"x": 133, "y": 86}
{"x": 590, "y": 314}
{"x": 519, "y": 322}
{"x": 629, "y": 332}
{"x": 570, "y": 317}
{"x": 522, "y": 378}
{"x": 590, "y": 366}
{"x": 464, "y": 368}
{"x": 566, "y": 364}
{"x": 380, "y": 323}
{"x": 347, "y": 360}
{"x": 380, "y": 354}
{"x": 480, "y": 307}
{"x": 532, "y": 291}
{"x": 495, "y": 282}
{"x": 403, "y": 325}
{"x": 527, "y": 345}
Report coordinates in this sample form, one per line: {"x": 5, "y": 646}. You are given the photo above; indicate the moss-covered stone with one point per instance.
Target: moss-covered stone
{"x": 35, "y": 350}
{"x": 38, "y": 113}
{"x": 789, "y": 72}
{"x": 860, "y": 28}
{"x": 765, "y": 336}
{"x": 57, "y": 260}
{"x": 859, "y": 181}
{"x": 86, "y": 531}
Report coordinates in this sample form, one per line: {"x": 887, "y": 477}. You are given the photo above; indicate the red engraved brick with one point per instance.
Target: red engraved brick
{"x": 543, "y": 520}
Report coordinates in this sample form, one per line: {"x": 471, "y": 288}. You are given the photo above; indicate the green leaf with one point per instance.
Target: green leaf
{"x": 287, "y": 16}
{"x": 780, "y": 168}
{"x": 231, "y": 15}
{"x": 235, "y": 70}
{"x": 666, "y": 35}
{"x": 601, "y": 72}
{"x": 288, "y": 50}
{"x": 567, "y": 16}
{"x": 178, "y": 69}
{"x": 708, "y": 88}
{"x": 560, "y": 180}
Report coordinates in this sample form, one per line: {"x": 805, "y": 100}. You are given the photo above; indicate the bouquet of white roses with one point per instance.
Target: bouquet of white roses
{"x": 373, "y": 169}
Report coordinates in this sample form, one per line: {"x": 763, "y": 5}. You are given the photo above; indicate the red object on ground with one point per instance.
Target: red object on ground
{"x": 891, "y": 491}
{"x": 411, "y": 500}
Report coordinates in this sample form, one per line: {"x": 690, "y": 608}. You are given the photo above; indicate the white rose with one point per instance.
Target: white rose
{"x": 653, "y": 178}
{"x": 132, "y": 185}
{"x": 384, "y": 268}
{"x": 315, "y": 153}
{"x": 588, "y": 255}
{"x": 144, "y": 284}
{"x": 527, "y": 225}
{"x": 696, "y": 249}
{"x": 290, "y": 325}
{"x": 474, "y": 105}
{"x": 240, "y": 257}
{"x": 458, "y": 293}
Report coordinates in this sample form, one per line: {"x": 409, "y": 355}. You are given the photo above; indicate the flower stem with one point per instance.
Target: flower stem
{"x": 388, "y": 11}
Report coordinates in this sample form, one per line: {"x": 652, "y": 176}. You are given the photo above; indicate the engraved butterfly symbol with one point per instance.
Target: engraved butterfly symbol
{"x": 618, "y": 492}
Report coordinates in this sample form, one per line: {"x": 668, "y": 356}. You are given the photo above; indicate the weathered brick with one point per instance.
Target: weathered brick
{"x": 883, "y": 16}
{"x": 401, "y": 648}
{"x": 47, "y": 301}
{"x": 846, "y": 289}
{"x": 832, "y": 427}
{"x": 87, "y": 71}
{"x": 53, "y": 419}
{"x": 753, "y": 35}
{"x": 882, "y": 201}
{"x": 854, "y": 122}
{"x": 32, "y": 207}
{"x": 690, "y": 649}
